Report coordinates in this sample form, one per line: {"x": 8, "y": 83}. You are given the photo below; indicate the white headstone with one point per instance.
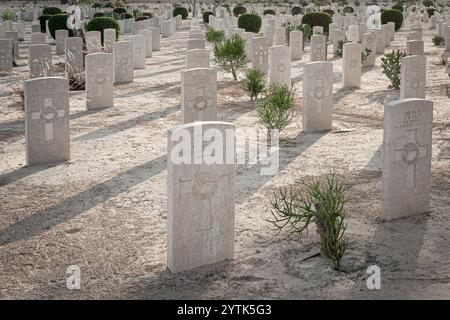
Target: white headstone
{"x": 123, "y": 62}
{"x": 40, "y": 61}
{"x": 280, "y": 65}
{"x": 351, "y": 65}
{"x": 99, "y": 80}
{"x": 413, "y": 77}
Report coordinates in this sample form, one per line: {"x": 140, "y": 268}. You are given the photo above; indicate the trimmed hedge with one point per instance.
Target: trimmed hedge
{"x": 238, "y": 10}
{"x": 250, "y": 22}
{"x": 102, "y": 23}
{"x": 99, "y": 14}
{"x": 180, "y": 11}
{"x": 427, "y": 3}
{"x": 51, "y": 11}
{"x": 58, "y": 22}
{"x": 269, "y": 11}
{"x": 119, "y": 10}
{"x": 329, "y": 11}
{"x": 206, "y": 16}
{"x": 126, "y": 16}
{"x": 296, "y": 10}
{"x": 348, "y": 10}
{"x": 42, "y": 20}
{"x": 398, "y": 7}
{"x": 97, "y": 5}
{"x": 317, "y": 19}
{"x": 147, "y": 14}
{"x": 392, "y": 15}
{"x": 140, "y": 18}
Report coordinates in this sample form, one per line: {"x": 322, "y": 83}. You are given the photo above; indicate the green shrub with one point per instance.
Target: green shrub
{"x": 102, "y": 23}
{"x": 430, "y": 11}
{"x": 250, "y": 22}
{"x": 392, "y": 15}
{"x": 254, "y": 83}
{"x": 180, "y": 11}
{"x": 58, "y": 22}
{"x": 99, "y": 14}
{"x": 230, "y": 55}
{"x": 269, "y": 11}
{"x": 317, "y": 19}
{"x": 277, "y": 110}
{"x": 391, "y": 64}
{"x": 438, "y": 40}
{"x": 140, "y": 18}
{"x": 6, "y": 15}
{"x": 329, "y": 11}
{"x": 108, "y": 5}
{"x": 427, "y": 3}
{"x": 147, "y": 14}
{"x": 120, "y": 10}
{"x": 214, "y": 36}
{"x": 296, "y": 10}
{"x": 126, "y": 16}
{"x": 321, "y": 203}
{"x": 238, "y": 10}
{"x": 51, "y": 11}
{"x": 398, "y": 7}
{"x": 42, "y": 20}
{"x": 206, "y": 16}
{"x": 348, "y": 10}
{"x": 97, "y": 5}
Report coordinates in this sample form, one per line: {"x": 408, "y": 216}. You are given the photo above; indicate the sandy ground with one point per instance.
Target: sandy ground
{"x": 105, "y": 209}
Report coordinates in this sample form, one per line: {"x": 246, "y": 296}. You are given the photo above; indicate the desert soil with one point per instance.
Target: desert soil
{"x": 105, "y": 209}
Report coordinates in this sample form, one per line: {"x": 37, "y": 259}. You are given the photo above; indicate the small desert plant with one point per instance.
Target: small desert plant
{"x": 340, "y": 48}
{"x": 443, "y": 59}
{"x": 76, "y": 81}
{"x": 365, "y": 54}
{"x": 6, "y": 15}
{"x": 206, "y": 16}
{"x": 391, "y": 63}
{"x": 438, "y": 40}
{"x": 17, "y": 88}
{"x": 214, "y": 36}
{"x": 230, "y": 55}
{"x": 321, "y": 203}
{"x": 254, "y": 83}
{"x": 277, "y": 110}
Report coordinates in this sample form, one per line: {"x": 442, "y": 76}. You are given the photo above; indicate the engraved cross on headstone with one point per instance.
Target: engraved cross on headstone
{"x": 48, "y": 115}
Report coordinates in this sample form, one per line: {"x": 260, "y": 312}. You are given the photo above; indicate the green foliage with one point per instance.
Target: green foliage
{"x": 250, "y": 22}
{"x": 321, "y": 203}
{"x": 269, "y": 11}
{"x": 180, "y": 11}
{"x": 206, "y": 16}
{"x": 147, "y": 14}
{"x": 42, "y": 20}
{"x": 108, "y": 5}
{"x": 277, "y": 110}
{"x": 97, "y": 5}
{"x": 214, "y": 36}
{"x": 296, "y": 10}
{"x": 6, "y": 15}
{"x": 102, "y": 23}
{"x": 99, "y": 14}
{"x": 391, "y": 64}
{"x": 58, "y": 22}
{"x": 140, "y": 18}
{"x": 438, "y": 40}
{"x": 230, "y": 55}
{"x": 305, "y": 28}
{"x": 329, "y": 11}
{"x": 317, "y": 19}
{"x": 430, "y": 11}
{"x": 392, "y": 15}
{"x": 340, "y": 48}
{"x": 119, "y": 10}
{"x": 238, "y": 10}
{"x": 254, "y": 83}
{"x": 398, "y": 7}
{"x": 126, "y": 16}
{"x": 427, "y": 3}
{"x": 365, "y": 54}
{"x": 348, "y": 10}
{"x": 51, "y": 11}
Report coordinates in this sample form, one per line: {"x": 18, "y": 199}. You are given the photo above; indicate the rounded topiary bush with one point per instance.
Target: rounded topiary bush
{"x": 296, "y": 10}
{"x": 427, "y": 3}
{"x": 398, "y": 7}
{"x": 99, "y": 14}
{"x": 58, "y": 22}
{"x": 206, "y": 16}
{"x": 51, "y": 11}
{"x": 250, "y": 22}
{"x": 317, "y": 19}
{"x": 238, "y": 10}
{"x": 269, "y": 11}
{"x": 120, "y": 10}
{"x": 147, "y": 14}
{"x": 348, "y": 10}
{"x": 42, "y": 20}
{"x": 102, "y": 23}
{"x": 329, "y": 11}
{"x": 140, "y": 18}
{"x": 392, "y": 15}
{"x": 180, "y": 11}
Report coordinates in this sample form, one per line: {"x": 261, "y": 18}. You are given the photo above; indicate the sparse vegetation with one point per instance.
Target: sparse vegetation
{"x": 230, "y": 55}
{"x": 254, "y": 83}
{"x": 214, "y": 36}
{"x": 391, "y": 63}
{"x": 438, "y": 40}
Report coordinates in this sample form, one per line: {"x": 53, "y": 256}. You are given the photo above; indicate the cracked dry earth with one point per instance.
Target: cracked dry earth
{"x": 105, "y": 209}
